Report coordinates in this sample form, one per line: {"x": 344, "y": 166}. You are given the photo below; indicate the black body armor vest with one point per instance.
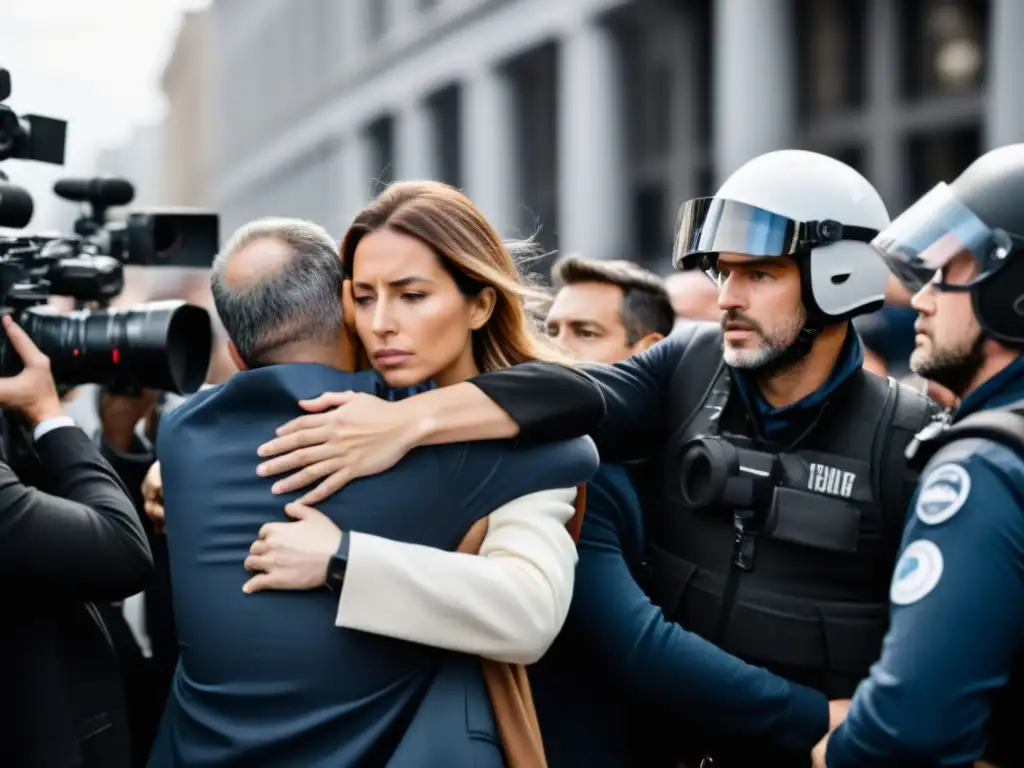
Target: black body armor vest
{"x": 1005, "y": 426}
{"x": 799, "y": 581}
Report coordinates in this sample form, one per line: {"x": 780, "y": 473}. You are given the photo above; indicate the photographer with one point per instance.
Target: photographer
{"x": 68, "y": 534}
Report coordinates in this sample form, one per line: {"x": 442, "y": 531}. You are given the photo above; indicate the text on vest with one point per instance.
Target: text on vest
{"x": 835, "y": 482}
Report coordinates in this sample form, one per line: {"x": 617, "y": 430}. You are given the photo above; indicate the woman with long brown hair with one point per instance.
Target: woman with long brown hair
{"x": 427, "y": 269}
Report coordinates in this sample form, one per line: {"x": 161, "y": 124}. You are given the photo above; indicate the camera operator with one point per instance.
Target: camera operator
{"x": 72, "y": 539}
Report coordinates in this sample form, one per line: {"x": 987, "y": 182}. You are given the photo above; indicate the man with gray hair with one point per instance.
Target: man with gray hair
{"x": 277, "y": 289}
{"x": 336, "y": 674}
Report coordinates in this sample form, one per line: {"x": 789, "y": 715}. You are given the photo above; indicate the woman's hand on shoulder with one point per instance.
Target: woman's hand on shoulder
{"x": 346, "y": 435}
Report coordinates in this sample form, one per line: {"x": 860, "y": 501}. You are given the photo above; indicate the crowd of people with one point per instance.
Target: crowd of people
{"x": 765, "y": 511}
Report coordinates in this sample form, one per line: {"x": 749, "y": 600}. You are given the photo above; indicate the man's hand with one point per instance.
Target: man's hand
{"x": 347, "y": 435}
{"x": 32, "y": 392}
{"x": 293, "y": 555}
{"x": 837, "y": 711}
{"x": 153, "y": 497}
{"x": 818, "y": 753}
{"x": 120, "y": 413}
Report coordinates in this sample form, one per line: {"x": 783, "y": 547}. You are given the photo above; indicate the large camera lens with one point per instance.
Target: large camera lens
{"x": 162, "y": 345}
{"x": 707, "y": 465}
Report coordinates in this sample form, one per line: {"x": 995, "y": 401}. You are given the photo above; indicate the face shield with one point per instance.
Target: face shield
{"x": 919, "y": 244}
{"x": 709, "y": 226}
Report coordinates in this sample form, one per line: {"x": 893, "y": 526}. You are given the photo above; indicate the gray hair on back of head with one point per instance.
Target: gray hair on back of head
{"x": 300, "y": 301}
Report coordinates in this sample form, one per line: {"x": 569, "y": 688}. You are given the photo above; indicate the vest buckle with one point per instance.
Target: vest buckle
{"x": 745, "y": 544}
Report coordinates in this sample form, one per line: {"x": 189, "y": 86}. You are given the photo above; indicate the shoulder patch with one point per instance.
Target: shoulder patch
{"x": 917, "y": 573}
{"x": 943, "y": 493}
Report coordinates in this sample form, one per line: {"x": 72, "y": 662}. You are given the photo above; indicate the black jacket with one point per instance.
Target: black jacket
{"x": 62, "y": 704}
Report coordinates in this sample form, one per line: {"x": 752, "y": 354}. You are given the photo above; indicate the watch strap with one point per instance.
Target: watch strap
{"x": 336, "y": 566}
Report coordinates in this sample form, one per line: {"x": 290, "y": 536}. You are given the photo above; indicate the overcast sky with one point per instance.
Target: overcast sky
{"x": 94, "y": 63}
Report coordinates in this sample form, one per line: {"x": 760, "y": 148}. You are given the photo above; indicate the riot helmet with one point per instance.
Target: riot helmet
{"x": 802, "y": 205}
{"x": 981, "y": 214}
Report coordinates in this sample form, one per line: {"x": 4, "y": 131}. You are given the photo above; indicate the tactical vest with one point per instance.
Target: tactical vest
{"x": 804, "y": 592}
{"x": 1003, "y": 425}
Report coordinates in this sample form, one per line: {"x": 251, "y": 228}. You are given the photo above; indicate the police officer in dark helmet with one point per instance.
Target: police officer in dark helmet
{"x": 947, "y": 690}
{"x": 775, "y": 486}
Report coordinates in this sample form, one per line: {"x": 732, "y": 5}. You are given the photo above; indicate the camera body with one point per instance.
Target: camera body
{"x": 160, "y": 345}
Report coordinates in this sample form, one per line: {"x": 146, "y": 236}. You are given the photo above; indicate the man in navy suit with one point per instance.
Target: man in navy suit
{"x": 263, "y": 678}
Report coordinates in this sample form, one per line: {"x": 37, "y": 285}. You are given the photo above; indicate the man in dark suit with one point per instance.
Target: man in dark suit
{"x": 267, "y": 678}
{"x": 62, "y": 702}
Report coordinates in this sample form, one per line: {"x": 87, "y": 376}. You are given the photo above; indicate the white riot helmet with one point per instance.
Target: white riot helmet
{"x": 803, "y": 205}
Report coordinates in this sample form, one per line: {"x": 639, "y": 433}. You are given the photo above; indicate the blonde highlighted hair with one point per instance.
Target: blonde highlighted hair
{"x": 446, "y": 221}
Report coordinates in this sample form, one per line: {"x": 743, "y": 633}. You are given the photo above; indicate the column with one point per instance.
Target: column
{"x": 1005, "y": 123}
{"x": 754, "y": 80}
{"x": 416, "y": 143}
{"x": 593, "y": 188}
{"x": 349, "y": 24}
{"x": 885, "y": 161}
{"x": 489, "y": 148}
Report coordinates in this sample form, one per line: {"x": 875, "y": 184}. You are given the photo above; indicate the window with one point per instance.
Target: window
{"x": 940, "y": 157}
{"x": 381, "y": 135}
{"x": 831, "y": 37}
{"x": 536, "y": 82}
{"x": 706, "y": 182}
{"x": 656, "y": 111}
{"x": 852, "y": 156}
{"x": 703, "y": 58}
{"x": 649, "y": 217}
{"x": 944, "y": 51}
{"x": 378, "y": 18}
{"x": 445, "y": 110}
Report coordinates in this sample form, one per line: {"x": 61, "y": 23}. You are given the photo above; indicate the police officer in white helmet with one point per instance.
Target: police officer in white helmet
{"x": 774, "y": 481}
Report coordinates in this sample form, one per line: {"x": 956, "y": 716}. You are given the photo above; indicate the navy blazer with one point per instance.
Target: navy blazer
{"x": 267, "y": 679}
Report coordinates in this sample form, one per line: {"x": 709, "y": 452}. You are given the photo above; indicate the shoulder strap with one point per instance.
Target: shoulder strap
{"x": 508, "y": 685}
{"x": 1001, "y": 425}
{"x": 701, "y": 358}
{"x": 906, "y": 412}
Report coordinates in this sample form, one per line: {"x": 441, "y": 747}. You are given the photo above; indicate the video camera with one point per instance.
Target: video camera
{"x": 160, "y": 345}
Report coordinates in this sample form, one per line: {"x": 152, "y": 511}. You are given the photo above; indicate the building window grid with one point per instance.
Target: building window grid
{"x": 937, "y": 129}
{"x": 662, "y": 164}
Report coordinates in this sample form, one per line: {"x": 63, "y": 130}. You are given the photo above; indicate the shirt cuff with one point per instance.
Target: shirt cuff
{"x": 48, "y": 425}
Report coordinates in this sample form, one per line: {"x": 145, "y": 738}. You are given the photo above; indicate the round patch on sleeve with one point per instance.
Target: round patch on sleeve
{"x": 917, "y": 572}
{"x": 943, "y": 493}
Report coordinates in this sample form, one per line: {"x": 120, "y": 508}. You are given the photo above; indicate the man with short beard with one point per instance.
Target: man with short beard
{"x": 779, "y": 487}
{"x": 947, "y": 689}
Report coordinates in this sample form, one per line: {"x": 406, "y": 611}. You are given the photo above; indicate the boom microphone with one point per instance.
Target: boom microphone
{"x": 106, "y": 192}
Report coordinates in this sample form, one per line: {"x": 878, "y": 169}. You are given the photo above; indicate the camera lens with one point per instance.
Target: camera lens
{"x": 706, "y": 466}
{"x": 161, "y": 345}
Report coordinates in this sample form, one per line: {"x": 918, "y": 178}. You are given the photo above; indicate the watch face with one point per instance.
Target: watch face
{"x": 335, "y": 573}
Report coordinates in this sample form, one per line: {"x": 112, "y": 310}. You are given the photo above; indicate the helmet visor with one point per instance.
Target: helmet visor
{"x": 711, "y": 225}
{"x": 920, "y": 242}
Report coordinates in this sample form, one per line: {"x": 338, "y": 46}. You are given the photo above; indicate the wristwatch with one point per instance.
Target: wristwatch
{"x": 336, "y": 566}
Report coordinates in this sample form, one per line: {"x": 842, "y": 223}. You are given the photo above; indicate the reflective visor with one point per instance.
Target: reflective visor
{"x": 711, "y": 225}
{"x": 921, "y": 242}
